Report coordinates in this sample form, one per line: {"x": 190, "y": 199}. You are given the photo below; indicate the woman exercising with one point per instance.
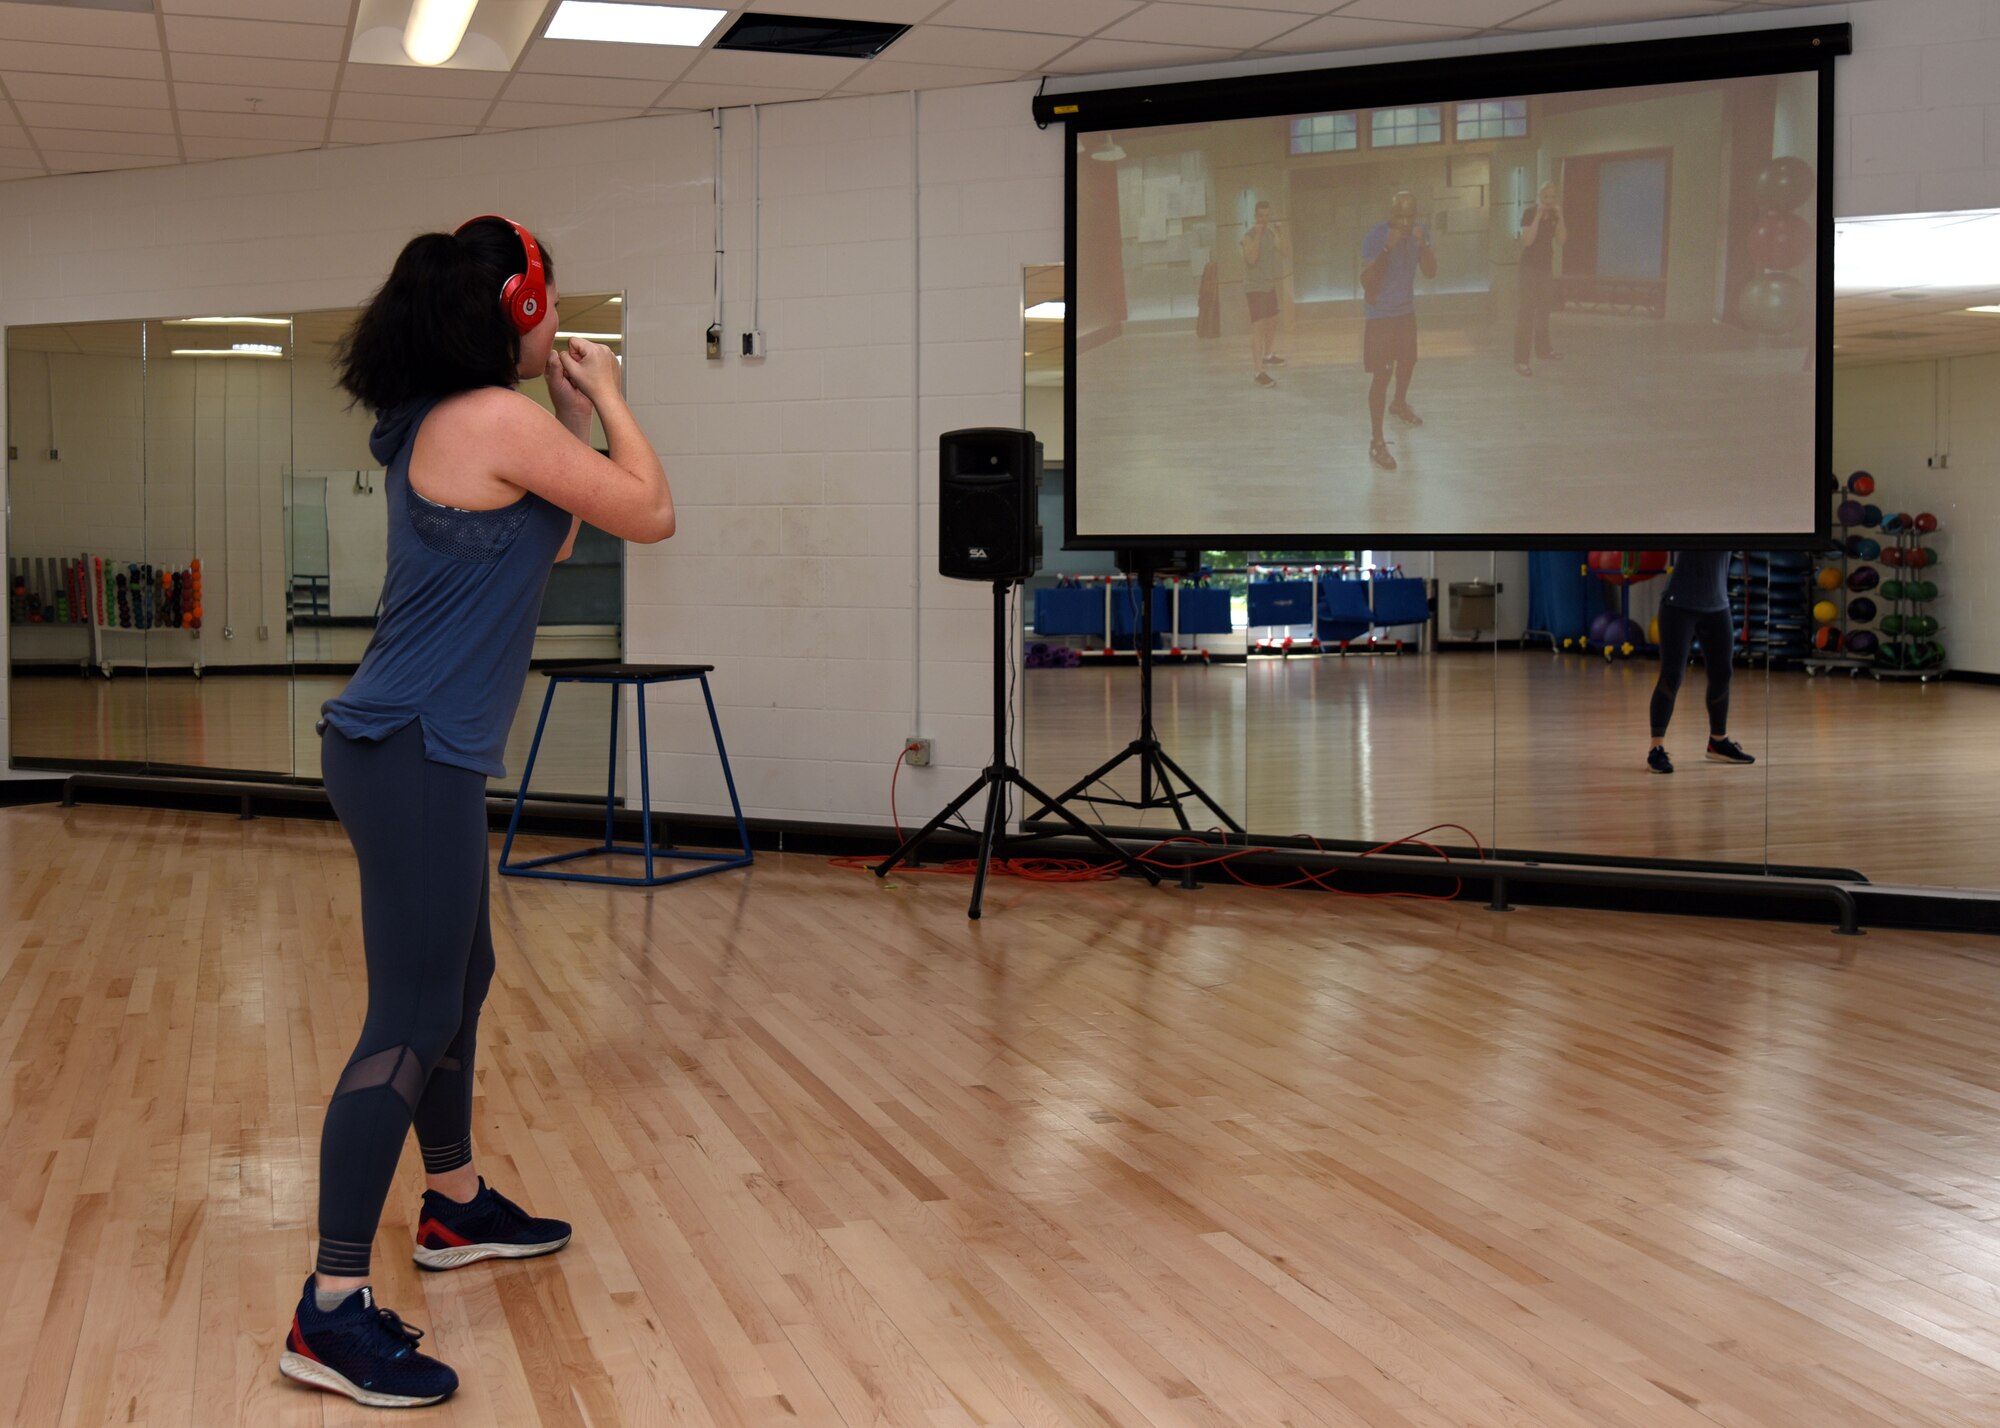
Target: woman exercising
{"x": 485, "y": 491}
{"x": 1696, "y": 607}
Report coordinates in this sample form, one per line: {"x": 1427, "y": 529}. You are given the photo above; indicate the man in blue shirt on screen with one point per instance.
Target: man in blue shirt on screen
{"x": 1392, "y": 254}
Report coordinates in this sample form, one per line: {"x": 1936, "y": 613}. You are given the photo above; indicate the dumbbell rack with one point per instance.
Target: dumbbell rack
{"x": 1909, "y": 568}
{"x": 1837, "y": 558}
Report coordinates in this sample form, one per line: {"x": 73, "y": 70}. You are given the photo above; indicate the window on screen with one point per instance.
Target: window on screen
{"x": 1411, "y": 124}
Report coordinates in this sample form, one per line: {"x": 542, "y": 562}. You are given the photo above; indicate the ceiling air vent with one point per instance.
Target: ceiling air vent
{"x": 804, "y": 35}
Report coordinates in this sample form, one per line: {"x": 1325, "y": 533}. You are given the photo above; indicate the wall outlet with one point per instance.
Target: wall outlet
{"x": 753, "y": 344}
{"x": 54, "y": 455}
{"x": 919, "y": 756}
{"x": 714, "y": 342}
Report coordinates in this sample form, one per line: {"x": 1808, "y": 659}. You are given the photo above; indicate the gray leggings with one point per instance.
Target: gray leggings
{"x": 419, "y": 833}
{"x": 1679, "y": 629}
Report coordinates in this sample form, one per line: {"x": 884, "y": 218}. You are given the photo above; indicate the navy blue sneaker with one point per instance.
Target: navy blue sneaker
{"x": 364, "y": 1352}
{"x": 1727, "y": 751}
{"x": 488, "y": 1226}
{"x": 1658, "y": 761}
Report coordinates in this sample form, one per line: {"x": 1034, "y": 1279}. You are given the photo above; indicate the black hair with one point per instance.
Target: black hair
{"x": 437, "y": 325}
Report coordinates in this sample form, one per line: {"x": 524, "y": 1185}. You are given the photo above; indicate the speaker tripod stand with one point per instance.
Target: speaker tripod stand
{"x": 1157, "y": 770}
{"x": 997, "y": 779}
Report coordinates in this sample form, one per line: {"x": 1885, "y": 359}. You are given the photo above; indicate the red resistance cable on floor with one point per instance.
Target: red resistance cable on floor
{"x": 1082, "y": 870}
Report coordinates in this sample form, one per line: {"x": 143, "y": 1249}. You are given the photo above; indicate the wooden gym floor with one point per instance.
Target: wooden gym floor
{"x": 1113, "y": 1156}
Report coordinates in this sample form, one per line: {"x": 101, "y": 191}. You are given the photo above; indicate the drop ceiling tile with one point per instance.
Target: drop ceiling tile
{"x": 85, "y": 59}
{"x": 568, "y": 89}
{"x": 1094, "y": 55}
{"x": 587, "y": 57}
{"x": 21, "y": 173}
{"x": 236, "y": 99}
{"x": 980, "y": 49}
{"x": 14, "y": 157}
{"x": 102, "y": 117}
{"x": 1054, "y": 17}
{"x": 889, "y": 12}
{"x": 884, "y": 77}
{"x": 1300, "y": 7}
{"x": 1478, "y": 14}
{"x": 200, "y": 146}
{"x": 237, "y": 69}
{"x": 59, "y": 25}
{"x": 1565, "y": 14}
{"x": 372, "y": 131}
{"x": 413, "y": 109}
{"x": 96, "y": 141}
{"x": 1337, "y": 32}
{"x": 361, "y": 78}
{"x": 85, "y": 89}
{"x": 299, "y": 128}
{"x": 67, "y": 161}
{"x": 263, "y": 39}
{"x": 508, "y": 114}
{"x": 820, "y": 72}
{"x": 726, "y": 96}
{"x": 1210, "y": 25}
{"x": 314, "y": 12}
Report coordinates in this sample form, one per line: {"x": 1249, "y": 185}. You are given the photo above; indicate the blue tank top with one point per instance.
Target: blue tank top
{"x": 460, "y": 602}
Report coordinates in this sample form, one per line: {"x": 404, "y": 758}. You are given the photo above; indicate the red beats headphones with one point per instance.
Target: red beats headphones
{"x": 525, "y": 295}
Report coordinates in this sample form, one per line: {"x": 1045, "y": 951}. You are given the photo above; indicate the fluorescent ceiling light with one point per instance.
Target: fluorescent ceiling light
{"x": 255, "y": 351}
{"x": 1931, "y": 251}
{"x": 1990, "y": 307}
{"x": 226, "y": 322}
{"x": 436, "y": 27}
{"x": 595, "y": 336}
{"x": 621, "y": 24}
{"x": 1047, "y": 312}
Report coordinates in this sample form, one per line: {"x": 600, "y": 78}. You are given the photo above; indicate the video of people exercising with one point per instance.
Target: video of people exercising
{"x": 1549, "y": 314}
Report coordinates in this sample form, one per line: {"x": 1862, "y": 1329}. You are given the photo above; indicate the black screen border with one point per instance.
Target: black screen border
{"x": 1808, "y": 49}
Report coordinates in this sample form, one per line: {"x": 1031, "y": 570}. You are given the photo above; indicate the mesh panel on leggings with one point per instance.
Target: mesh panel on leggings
{"x": 467, "y": 535}
{"x": 398, "y": 1068}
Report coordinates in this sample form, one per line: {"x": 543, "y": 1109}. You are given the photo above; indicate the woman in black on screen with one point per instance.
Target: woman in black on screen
{"x": 1696, "y": 607}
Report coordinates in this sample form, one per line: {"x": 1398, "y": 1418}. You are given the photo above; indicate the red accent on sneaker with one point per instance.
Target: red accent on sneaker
{"x": 432, "y": 1235}
{"x": 296, "y": 1342}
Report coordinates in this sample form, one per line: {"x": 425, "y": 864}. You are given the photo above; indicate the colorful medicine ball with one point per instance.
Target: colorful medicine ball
{"x": 1861, "y": 609}
{"x": 1597, "y": 627}
{"x": 1848, "y": 513}
{"x": 1861, "y": 484}
{"x": 1828, "y": 638}
{"x": 1862, "y": 642}
{"x": 1922, "y": 590}
{"x": 1826, "y": 612}
{"x": 1864, "y": 578}
{"x": 1893, "y": 555}
{"x": 1923, "y": 624}
{"x": 1870, "y": 549}
{"x": 1919, "y": 556}
{"x": 1829, "y": 577}
{"x": 1926, "y": 522}
{"x": 1891, "y": 524}
{"x": 1871, "y": 515}
{"x": 1852, "y": 545}
{"x": 1892, "y": 590}
{"x": 1892, "y": 624}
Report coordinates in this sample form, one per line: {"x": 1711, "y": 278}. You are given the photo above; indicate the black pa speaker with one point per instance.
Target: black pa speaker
{"x": 989, "y": 482}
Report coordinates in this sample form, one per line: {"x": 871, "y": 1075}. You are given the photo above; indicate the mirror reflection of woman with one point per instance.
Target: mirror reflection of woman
{"x": 1543, "y": 230}
{"x": 485, "y": 490}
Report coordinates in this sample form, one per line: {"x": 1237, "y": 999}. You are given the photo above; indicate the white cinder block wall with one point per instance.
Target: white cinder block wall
{"x": 806, "y": 535}
{"x": 804, "y": 567}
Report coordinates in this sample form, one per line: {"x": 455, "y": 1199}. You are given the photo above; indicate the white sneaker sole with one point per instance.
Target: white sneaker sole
{"x": 318, "y": 1375}
{"x": 458, "y": 1255}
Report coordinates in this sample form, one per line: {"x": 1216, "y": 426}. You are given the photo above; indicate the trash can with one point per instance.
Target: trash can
{"x": 1472, "y": 605}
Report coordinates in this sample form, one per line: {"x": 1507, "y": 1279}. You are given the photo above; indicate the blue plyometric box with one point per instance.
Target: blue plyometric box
{"x": 1281, "y": 602}
{"x": 1203, "y": 612}
{"x": 1070, "y": 612}
{"x": 1400, "y": 600}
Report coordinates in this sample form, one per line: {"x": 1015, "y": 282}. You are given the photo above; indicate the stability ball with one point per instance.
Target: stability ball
{"x": 1780, "y": 240}
{"x": 1784, "y": 184}
{"x": 1774, "y": 304}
